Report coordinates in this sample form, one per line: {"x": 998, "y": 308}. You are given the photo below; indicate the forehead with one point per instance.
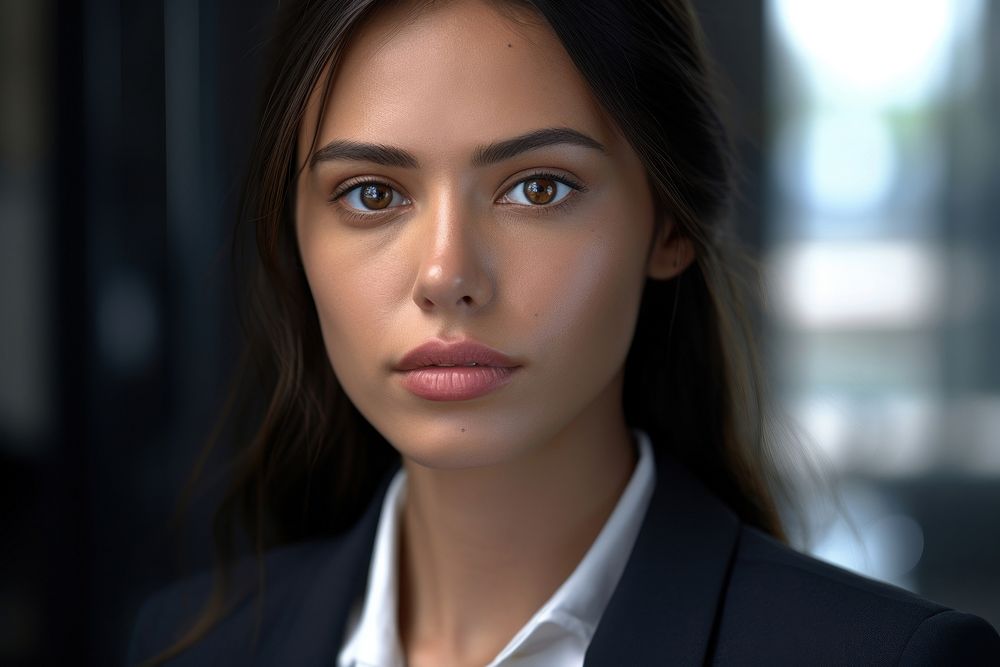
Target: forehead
{"x": 443, "y": 78}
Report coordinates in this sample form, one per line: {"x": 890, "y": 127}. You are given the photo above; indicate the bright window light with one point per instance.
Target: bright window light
{"x": 850, "y": 162}
{"x": 857, "y": 285}
{"x": 893, "y": 50}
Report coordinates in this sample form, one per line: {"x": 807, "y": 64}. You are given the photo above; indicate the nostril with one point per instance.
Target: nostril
{"x": 458, "y": 293}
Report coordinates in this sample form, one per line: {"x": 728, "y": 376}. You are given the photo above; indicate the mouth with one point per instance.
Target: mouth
{"x": 458, "y": 371}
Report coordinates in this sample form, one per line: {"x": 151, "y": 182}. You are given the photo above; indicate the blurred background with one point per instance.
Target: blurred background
{"x": 871, "y": 189}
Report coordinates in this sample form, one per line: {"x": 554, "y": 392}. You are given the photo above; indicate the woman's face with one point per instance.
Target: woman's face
{"x": 538, "y": 251}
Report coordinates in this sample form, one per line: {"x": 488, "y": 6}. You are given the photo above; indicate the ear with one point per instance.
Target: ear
{"x": 671, "y": 254}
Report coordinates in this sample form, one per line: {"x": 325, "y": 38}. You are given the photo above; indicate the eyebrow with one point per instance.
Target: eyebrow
{"x": 508, "y": 148}
{"x": 343, "y": 149}
{"x": 390, "y": 156}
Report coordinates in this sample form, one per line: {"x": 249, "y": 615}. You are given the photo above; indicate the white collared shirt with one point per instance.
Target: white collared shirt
{"x": 560, "y": 631}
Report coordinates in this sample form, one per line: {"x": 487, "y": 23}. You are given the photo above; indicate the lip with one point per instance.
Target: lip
{"x": 459, "y": 353}
{"x": 442, "y": 371}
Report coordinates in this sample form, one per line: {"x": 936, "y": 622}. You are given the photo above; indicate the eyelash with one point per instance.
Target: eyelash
{"x": 356, "y": 215}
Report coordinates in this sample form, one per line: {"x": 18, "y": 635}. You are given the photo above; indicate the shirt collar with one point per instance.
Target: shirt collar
{"x": 374, "y": 641}
{"x": 574, "y": 609}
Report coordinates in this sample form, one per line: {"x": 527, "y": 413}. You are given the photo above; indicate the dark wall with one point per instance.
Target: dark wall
{"x": 146, "y": 116}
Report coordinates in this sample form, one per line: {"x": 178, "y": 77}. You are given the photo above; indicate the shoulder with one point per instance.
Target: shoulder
{"x": 255, "y": 609}
{"x": 784, "y": 604}
{"x": 289, "y": 607}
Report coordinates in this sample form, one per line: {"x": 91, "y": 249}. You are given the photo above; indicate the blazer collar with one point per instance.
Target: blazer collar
{"x": 664, "y": 608}
{"x": 328, "y": 590}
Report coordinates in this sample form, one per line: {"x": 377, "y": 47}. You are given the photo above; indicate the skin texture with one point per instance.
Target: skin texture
{"x": 506, "y": 491}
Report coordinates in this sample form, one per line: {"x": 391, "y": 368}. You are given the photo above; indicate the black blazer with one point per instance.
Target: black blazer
{"x": 700, "y": 587}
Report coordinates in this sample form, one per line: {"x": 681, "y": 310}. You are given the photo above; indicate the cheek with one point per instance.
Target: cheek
{"x": 585, "y": 299}
{"x": 355, "y": 289}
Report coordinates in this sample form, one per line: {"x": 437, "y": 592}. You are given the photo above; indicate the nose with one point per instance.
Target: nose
{"x": 453, "y": 276}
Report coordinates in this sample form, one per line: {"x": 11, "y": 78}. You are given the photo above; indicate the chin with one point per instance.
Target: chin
{"x": 441, "y": 443}
{"x": 454, "y": 451}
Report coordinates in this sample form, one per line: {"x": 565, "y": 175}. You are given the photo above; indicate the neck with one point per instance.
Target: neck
{"x": 482, "y": 549}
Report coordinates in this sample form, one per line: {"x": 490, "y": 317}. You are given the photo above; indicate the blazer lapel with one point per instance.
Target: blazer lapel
{"x": 332, "y": 576}
{"x": 664, "y": 608}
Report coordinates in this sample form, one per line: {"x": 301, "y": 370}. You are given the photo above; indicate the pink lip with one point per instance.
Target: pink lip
{"x": 423, "y": 374}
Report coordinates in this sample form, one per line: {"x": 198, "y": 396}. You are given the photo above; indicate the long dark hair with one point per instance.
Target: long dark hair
{"x": 308, "y": 461}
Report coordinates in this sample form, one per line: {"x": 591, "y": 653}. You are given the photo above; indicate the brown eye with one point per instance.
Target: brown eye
{"x": 376, "y": 196}
{"x": 539, "y": 190}
{"x": 370, "y": 197}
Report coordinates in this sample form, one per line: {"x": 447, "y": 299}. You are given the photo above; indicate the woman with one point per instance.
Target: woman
{"x": 511, "y": 413}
